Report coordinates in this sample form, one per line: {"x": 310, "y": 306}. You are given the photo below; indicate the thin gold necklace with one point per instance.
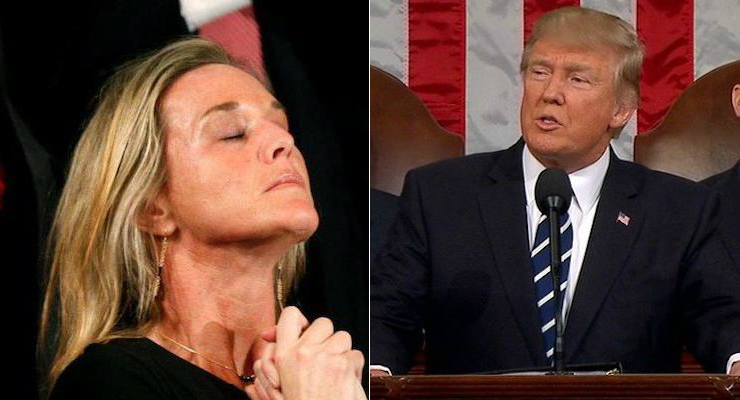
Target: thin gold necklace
{"x": 246, "y": 379}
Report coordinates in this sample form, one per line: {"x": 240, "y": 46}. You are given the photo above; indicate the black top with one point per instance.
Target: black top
{"x": 138, "y": 369}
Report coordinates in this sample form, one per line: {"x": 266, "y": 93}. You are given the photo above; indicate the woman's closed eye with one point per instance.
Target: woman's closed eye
{"x": 234, "y": 136}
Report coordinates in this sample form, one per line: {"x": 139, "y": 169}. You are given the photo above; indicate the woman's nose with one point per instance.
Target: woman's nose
{"x": 278, "y": 143}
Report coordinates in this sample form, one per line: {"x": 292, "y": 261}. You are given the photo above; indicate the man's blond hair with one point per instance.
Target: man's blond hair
{"x": 595, "y": 30}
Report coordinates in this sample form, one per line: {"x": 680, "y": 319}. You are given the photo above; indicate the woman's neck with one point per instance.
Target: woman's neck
{"x": 216, "y": 300}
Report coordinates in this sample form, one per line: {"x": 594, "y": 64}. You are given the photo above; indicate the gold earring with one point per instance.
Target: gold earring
{"x": 160, "y": 265}
{"x": 280, "y": 287}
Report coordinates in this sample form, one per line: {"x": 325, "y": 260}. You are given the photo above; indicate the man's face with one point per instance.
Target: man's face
{"x": 570, "y": 104}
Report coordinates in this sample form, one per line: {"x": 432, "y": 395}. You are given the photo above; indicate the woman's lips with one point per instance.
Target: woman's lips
{"x": 286, "y": 179}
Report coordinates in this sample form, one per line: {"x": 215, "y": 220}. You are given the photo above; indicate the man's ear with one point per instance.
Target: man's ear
{"x": 736, "y": 99}
{"x": 156, "y": 218}
{"x": 622, "y": 115}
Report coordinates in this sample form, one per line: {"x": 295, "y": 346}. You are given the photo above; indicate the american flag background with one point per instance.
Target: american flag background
{"x": 461, "y": 57}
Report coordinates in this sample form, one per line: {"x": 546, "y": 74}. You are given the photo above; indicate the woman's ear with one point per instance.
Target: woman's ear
{"x": 156, "y": 218}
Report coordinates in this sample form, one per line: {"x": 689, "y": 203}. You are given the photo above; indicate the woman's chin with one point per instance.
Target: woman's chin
{"x": 304, "y": 223}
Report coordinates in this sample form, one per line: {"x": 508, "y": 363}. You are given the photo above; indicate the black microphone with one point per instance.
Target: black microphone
{"x": 553, "y": 191}
{"x": 553, "y": 194}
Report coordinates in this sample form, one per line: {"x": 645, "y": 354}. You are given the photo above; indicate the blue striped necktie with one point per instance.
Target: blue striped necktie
{"x": 543, "y": 278}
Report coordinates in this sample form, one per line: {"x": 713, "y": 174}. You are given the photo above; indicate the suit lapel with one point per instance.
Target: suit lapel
{"x": 608, "y": 247}
{"x": 502, "y": 205}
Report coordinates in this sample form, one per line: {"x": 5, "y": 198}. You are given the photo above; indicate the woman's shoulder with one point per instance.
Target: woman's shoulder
{"x": 120, "y": 368}
{"x": 138, "y": 369}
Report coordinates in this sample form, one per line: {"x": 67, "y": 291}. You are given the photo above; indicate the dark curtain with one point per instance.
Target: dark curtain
{"x": 316, "y": 55}
{"x": 19, "y": 244}
{"x": 58, "y": 54}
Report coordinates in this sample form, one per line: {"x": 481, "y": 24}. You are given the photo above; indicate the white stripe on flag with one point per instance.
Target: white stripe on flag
{"x": 624, "y": 9}
{"x": 493, "y": 81}
{"x": 716, "y": 34}
{"x": 389, "y": 37}
{"x": 624, "y": 145}
{"x": 550, "y": 352}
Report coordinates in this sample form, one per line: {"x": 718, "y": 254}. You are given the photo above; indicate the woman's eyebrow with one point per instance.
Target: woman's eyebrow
{"x": 228, "y": 106}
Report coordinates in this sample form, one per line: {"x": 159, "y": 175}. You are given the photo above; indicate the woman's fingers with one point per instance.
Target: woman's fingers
{"x": 318, "y": 332}
{"x": 309, "y": 360}
{"x": 289, "y": 328}
{"x": 338, "y": 343}
{"x": 260, "y": 391}
{"x": 251, "y": 392}
{"x": 358, "y": 361}
{"x": 260, "y": 380}
{"x": 267, "y": 365}
{"x": 263, "y": 385}
{"x": 359, "y": 392}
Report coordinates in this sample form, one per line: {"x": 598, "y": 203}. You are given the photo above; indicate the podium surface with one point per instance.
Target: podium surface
{"x": 626, "y": 386}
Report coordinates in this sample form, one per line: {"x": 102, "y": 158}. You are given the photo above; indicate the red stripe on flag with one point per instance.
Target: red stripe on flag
{"x": 534, "y": 9}
{"x": 238, "y": 33}
{"x": 436, "y": 42}
{"x": 667, "y": 29}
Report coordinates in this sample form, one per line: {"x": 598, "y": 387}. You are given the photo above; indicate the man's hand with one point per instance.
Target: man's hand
{"x": 378, "y": 372}
{"x": 735, "y": 369}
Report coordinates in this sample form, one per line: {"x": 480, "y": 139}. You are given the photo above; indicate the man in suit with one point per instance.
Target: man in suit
{"x": 382, "y": 215}
{"x": 727, "y": 184}
{"x": 646, "y": 271}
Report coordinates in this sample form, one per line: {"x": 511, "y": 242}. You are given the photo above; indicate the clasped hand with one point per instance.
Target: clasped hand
{"x": 303, "y": 361}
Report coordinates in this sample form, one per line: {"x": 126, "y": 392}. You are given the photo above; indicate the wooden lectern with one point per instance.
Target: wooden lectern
{"x": 556, "y": 387}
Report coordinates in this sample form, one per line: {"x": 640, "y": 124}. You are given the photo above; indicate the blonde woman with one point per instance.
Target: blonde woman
{"x": 178, "y": 233}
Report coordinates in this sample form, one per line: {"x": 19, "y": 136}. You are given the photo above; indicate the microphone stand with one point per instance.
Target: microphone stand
{"x": 555, "y": 263}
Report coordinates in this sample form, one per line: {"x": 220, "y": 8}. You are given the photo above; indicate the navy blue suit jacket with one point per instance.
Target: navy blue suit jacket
{"x": 457, "y": 265}
{"x": 727, "y": 185}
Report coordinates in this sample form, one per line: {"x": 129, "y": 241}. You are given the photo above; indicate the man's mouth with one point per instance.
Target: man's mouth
{"x": 547, "y": 122}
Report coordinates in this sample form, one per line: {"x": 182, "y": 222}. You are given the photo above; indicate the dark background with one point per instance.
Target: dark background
{"x": 54, "y": 58}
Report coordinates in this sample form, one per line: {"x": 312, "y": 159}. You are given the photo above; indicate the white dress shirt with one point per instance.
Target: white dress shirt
{"x": 586, "y": 183}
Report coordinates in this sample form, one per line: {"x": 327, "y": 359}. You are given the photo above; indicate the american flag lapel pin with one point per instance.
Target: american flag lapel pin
{"x": 623, "y": 218}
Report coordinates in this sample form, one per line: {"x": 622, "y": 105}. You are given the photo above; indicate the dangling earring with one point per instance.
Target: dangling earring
{"x": 280, "y": 287}
{"x": 160, "y": 265}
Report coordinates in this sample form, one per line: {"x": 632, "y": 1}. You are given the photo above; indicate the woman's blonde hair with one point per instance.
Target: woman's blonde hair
{"x": 596, "y": 30}
{"x": 103, "y": 274}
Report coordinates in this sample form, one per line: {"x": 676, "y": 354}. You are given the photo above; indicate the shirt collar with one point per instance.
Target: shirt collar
{"x": 586, "y": 182}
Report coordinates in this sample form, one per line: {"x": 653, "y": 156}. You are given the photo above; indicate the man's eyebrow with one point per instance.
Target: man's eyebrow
{"x": 228, "y": 106}
{"x": 540, "y": 61}
{"x": 569, "y": 66}
{"x": 577, "y": 67}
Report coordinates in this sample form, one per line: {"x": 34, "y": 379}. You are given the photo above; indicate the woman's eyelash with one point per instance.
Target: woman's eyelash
{"x": 235, "y": 136}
